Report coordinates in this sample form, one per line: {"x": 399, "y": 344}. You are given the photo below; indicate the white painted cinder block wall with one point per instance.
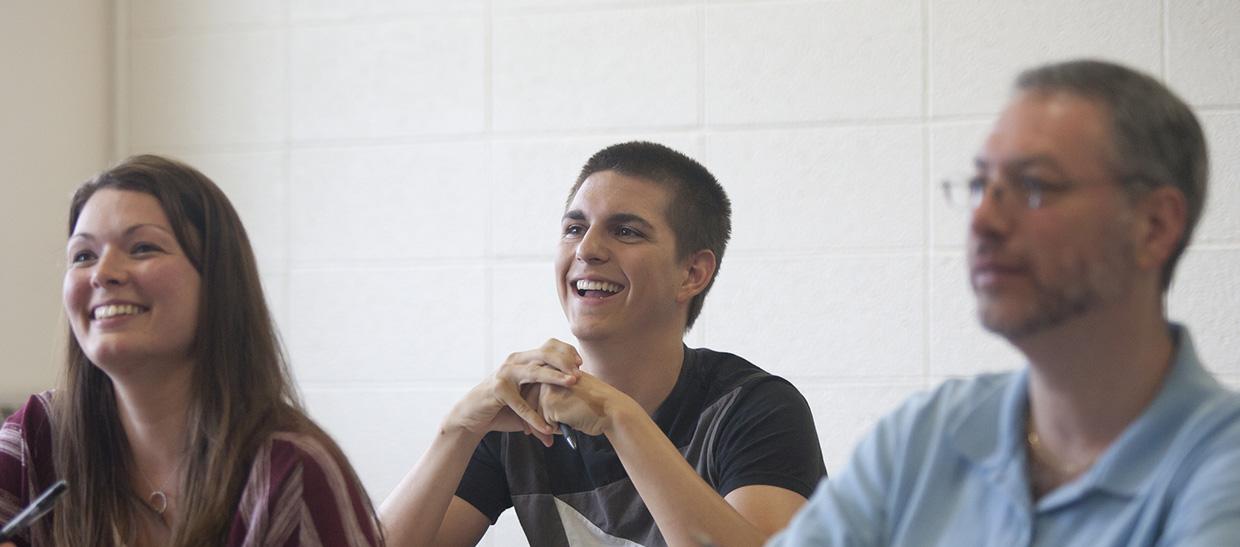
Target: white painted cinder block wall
{"x": 401, "y": 166}
{"x": 55, "y": 107}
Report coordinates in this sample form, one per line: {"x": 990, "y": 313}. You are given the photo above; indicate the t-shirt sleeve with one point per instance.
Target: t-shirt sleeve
{"x": 484, "y": 484}
{"x": 769, "y": 439}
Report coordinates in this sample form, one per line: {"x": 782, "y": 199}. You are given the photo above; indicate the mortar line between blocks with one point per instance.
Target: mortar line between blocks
{"x": 927, "y": 211}
{"x": 1164, "y": 54}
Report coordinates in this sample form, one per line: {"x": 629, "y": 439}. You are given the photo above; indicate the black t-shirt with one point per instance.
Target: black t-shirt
{"x": 734, "y": 423}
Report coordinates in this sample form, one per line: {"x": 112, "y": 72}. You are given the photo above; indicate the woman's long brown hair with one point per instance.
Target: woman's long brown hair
{"x": 242, "y": 390}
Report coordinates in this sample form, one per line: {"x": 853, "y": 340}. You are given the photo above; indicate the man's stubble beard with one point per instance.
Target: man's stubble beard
{"x": 1088, "y": 283}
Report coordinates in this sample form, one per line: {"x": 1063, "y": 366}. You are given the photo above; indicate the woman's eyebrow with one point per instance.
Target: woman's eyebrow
{"x": 127, "y": 232}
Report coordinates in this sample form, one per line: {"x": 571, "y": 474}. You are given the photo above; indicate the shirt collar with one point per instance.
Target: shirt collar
{"x": 1133, "y": 457}
{"x": 991, "y": 433}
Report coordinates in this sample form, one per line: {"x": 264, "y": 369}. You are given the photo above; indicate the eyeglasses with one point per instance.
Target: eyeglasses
{"x": 966, "y": 192}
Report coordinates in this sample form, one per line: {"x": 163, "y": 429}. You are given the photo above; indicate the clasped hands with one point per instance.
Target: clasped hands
{"x": 533, "y": 391}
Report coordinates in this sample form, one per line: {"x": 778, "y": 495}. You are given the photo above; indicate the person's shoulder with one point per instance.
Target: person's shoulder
{"x": 26, "y": 463}
{"x": 302, "y": 476}
{"x": 950, "y": 402}
{"x": 956, "y": 394}
{"x": 1214, "y": 425}
{"x": 725, "y": 371}
{"x": 31, "y": 420}
{"x": 37, "y": 409}
{"x": 285, "y": 451}
{"x": 1203, "y": 465}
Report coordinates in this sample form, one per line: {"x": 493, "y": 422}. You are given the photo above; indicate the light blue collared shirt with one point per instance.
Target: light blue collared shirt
{"x": 949, "y": 468}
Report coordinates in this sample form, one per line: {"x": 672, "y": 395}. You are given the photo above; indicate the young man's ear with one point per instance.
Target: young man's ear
{"x": 1162, "y": 218}
{"x": 699, "y": 269}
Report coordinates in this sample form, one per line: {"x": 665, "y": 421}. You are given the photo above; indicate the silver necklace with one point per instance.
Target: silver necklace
{"x": 157, "y": 500}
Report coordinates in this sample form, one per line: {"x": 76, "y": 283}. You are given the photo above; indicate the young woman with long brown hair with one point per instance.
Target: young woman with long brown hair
{"x": 176, "y": 422}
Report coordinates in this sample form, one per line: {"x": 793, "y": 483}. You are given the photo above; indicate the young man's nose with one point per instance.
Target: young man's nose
{"x": 592, "y": 247}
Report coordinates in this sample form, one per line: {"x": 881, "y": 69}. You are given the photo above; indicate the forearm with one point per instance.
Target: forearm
{"x": 686, "y": 508}
{"x": 413, "y": 513}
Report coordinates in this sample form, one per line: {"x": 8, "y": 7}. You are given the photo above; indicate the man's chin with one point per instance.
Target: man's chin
{"x": 1015, "y": 323}
{"x": 1006, "y": 318}
{"x": 590, "y": 331}
{"x": 1005, "y": 327}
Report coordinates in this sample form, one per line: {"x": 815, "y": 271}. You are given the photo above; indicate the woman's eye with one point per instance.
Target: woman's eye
{"x": 142, "y": 248}
{"x": 81, "y": 256}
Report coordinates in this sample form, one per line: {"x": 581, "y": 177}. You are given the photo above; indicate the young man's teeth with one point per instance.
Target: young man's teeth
{"x": 584, "y": 285}
{"x": 104, "y": 312}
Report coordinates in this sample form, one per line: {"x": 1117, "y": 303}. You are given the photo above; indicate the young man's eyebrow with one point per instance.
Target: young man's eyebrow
{"x": 629, "y": 218}
{"x": 618, "y": 218}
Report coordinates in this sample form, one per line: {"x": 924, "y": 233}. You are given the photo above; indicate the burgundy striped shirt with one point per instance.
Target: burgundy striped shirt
{"x": 297, "y": 495}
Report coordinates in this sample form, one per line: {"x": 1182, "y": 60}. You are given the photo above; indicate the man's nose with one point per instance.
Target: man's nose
{"x": 592, "y": 247}
{"x": 991, "y": 212}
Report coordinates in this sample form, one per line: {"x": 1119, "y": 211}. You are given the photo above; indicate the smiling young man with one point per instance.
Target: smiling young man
{"x": 1085, "y": 194}
{"x": 673, "y": 445}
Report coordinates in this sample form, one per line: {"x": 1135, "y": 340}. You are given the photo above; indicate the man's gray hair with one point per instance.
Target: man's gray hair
{"x": 1157, "y": 141}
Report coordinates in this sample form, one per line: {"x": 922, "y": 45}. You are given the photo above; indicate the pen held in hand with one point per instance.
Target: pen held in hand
{"x": 41, "y": 506}
{"x": 568, "y": 436}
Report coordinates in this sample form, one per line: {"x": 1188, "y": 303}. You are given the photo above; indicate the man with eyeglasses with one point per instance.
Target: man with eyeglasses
{"x": 1084, "y": 196}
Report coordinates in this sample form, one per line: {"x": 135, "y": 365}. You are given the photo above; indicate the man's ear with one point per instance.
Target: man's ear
{"x": 699, "y": 270}
{"x": 1162, "y": 219}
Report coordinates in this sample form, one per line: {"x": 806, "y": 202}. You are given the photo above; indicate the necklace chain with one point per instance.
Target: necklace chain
{"x": 1038, "y": 452}
{"x": 157, "y": 500}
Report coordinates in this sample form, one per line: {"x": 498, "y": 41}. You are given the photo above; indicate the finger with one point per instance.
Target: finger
{"x": 536, "y": 374}
{"x": 557, "y": 377}
{"x": 562, "y": 356}
{"x": 547, "y": 440}
{"x": 559, "y": 355}
{"x": 532, "y": 393}
{"x": 523, "y": 410}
